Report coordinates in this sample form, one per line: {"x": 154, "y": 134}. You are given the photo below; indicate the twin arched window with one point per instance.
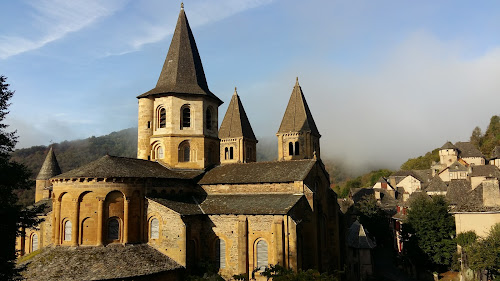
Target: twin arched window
{"x": 291, "y": 150}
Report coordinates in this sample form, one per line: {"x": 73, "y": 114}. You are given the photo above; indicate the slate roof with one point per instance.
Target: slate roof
{"x": 490, "y": 171}
{"x": 457, "y": 189}
{"x": 457, "y": 167}
{"x": 235, "y": 123}
{"x": 50, "y": 167}
{"x": 495, "y": 154}
{"x": 467, "y": 149}
{"x": 357, "y": 238}
{"x": 298, "y": 117}
{"x": 436, "y": 185}
{"x": 182, "y": 72}
{"x": 249, "y": 204}
{"x": 423, "y": 176}
{"x": 122, "y": 167}
{"x": 473, "y": 201}
{"x": 97, "y": 263}
{"x": 259, "y": 172}
{"x": 448, "y": 145}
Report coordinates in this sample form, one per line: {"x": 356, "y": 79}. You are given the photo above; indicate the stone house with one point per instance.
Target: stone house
{"x": 193, "y": 195}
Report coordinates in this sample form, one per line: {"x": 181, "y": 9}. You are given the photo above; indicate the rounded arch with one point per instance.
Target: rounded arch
{"x": 88, "y": 232}
{"x": 185, "y": 116}
{"x": 114, "y": 229}
{"x": 185, "y": 151}
{"x": 261, "y": 249}
{"x": 154, "y": 228}
{"x": 67, "y": 228}
{"x": 157, "y": 150}
{"x": 34, "y": 242}
{"x": 161, "y": 117}
{"x": 66, "y": 195}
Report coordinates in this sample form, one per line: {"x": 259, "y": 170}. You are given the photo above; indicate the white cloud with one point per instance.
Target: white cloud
{"x": 55, "y": 19}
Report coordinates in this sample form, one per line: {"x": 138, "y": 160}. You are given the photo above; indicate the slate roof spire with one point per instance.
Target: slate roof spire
{"x": 235, "y": 123}
{"x": 182, "y": 71}
{"x": 50, "y": 167}
{"x": 298, "y": 117}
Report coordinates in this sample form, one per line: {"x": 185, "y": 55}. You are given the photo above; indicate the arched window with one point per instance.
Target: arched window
{"x": 34, "y": 242}
{"x": 154, "y": 232}
{"x": 162, "y": 118}
{"x": 261, "y": 249}
{"x": 186, "y": 117}
{"x": 208, "y": 118}
{"x": 297, "y": 150}
{"x": 220, "y": 253}
{"x": 226, "y": 153}
{"x": 113, "y": 229}
{"x": 290, "y": 148}
{"x": 231, "y": 156}
{"x": 184, "y": 151}
{"x": 67, "y": 230}
{"x": 160, "y": 152}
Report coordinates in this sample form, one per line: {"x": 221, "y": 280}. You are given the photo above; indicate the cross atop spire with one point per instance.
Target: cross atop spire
{"x": 182, "y": 5}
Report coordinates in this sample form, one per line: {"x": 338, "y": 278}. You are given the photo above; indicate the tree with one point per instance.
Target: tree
{"x": 485, "y": 253}
{"x": 476, "y": 136}
{"x": 14, "y": 176}
{"x": 430, "y": 231}
{"x": 421, "y": 162}
{"x": 280, "y": 273}
{"x": 374, "y": 219}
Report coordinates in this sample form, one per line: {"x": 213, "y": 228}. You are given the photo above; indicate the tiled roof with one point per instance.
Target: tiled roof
{"x": 448, "y": 145}
{"x": 249, "y": 204}
{"x": 298, "y": 117}
{"x": 457, "y": 189}
{"x": 122, "y": 167}
{"x": 50, "y": 167}
{"x": 235, "y": 123}
{"x": 491, "y": 171}
{"x": 97, "y": 263}
{"x": 467, "y": 149}
{"x": 182, "y": 71}
{"x": 259, "y": 172}
{"x": 357, "y": 238}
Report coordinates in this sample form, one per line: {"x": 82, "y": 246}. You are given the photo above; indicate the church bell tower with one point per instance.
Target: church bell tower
{"x": 178, "y": 118}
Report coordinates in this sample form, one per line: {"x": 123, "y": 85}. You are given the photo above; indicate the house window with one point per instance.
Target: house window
{"x": 208, "y": 118}
{"x": 67, "y": 230}
{"x": 184, "y": 151}
{"x": 297, "y": 151}
{"x": 113, "y": 229}
{"x": 261, "y": 250}
{"x": 220, "y": 253}
{"x": 34, "y": 242}
{"x": 290, "y": 148}
{"x": 186, "y": 117}
{"x": 163, "y": 118}
{"x": 155, "y": 229}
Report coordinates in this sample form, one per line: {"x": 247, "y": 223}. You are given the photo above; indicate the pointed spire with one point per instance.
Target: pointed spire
{"x": 50, "y": 167}
{"x": 235, "y": 123}
{"x": 182, "y": 71}
{"x": 298, "y": 117}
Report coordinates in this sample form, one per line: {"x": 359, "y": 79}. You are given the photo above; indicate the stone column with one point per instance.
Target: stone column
{"x": 126, "y": 204}
{"x": 278, "y": 240}
{"x": 100, "y": 215}
{"x": 242, "y": 245}
{"x": 75, "y": 223}
{"x": 56, "y": 223}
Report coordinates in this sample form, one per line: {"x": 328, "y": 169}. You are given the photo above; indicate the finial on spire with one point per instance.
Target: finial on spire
{"x": 235, "y": 91}
{"x": 297, "y": 81}
{"x": 182, "y": 5}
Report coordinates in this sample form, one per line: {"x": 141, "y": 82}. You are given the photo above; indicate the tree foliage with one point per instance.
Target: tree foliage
{"x": 491, "y": 138}
{"x": 366, "y": 180}
{"x": 421, "y": 162}
{"x": 465, "y": 239}
{"x": 374, "y": 219}
{"x": 13, "y": 176}
{"x": 485, "y": 253}
{"x": 280, "y": 273}
{"x": 429, "y": 230}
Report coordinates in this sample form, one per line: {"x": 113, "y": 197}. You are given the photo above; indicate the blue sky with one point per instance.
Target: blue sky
{"x": 385, "y": 80}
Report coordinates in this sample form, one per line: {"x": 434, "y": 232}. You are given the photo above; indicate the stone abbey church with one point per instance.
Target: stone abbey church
{"x": 194, "y": 197}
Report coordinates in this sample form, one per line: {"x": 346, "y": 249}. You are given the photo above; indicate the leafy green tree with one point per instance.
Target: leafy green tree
{"x": 14, "y": 176}
{"x": 485, "y": 253}
{"x": 422, "y": 162}
{"x": 430, "y": 231}
{"x": 374, "y": 219}
{"x": 465, "y": 239}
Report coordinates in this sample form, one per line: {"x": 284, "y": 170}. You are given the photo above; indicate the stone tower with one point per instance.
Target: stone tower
{"x": 238, "y": 142}
{"x": 298, "y": 136}
{"x": 50, "y": 168}
{"x": 178, "y": 118}
{"x": 448, "y": 154}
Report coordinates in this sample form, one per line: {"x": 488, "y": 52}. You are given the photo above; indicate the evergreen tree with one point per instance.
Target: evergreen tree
{"x": 14, "y": 176}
